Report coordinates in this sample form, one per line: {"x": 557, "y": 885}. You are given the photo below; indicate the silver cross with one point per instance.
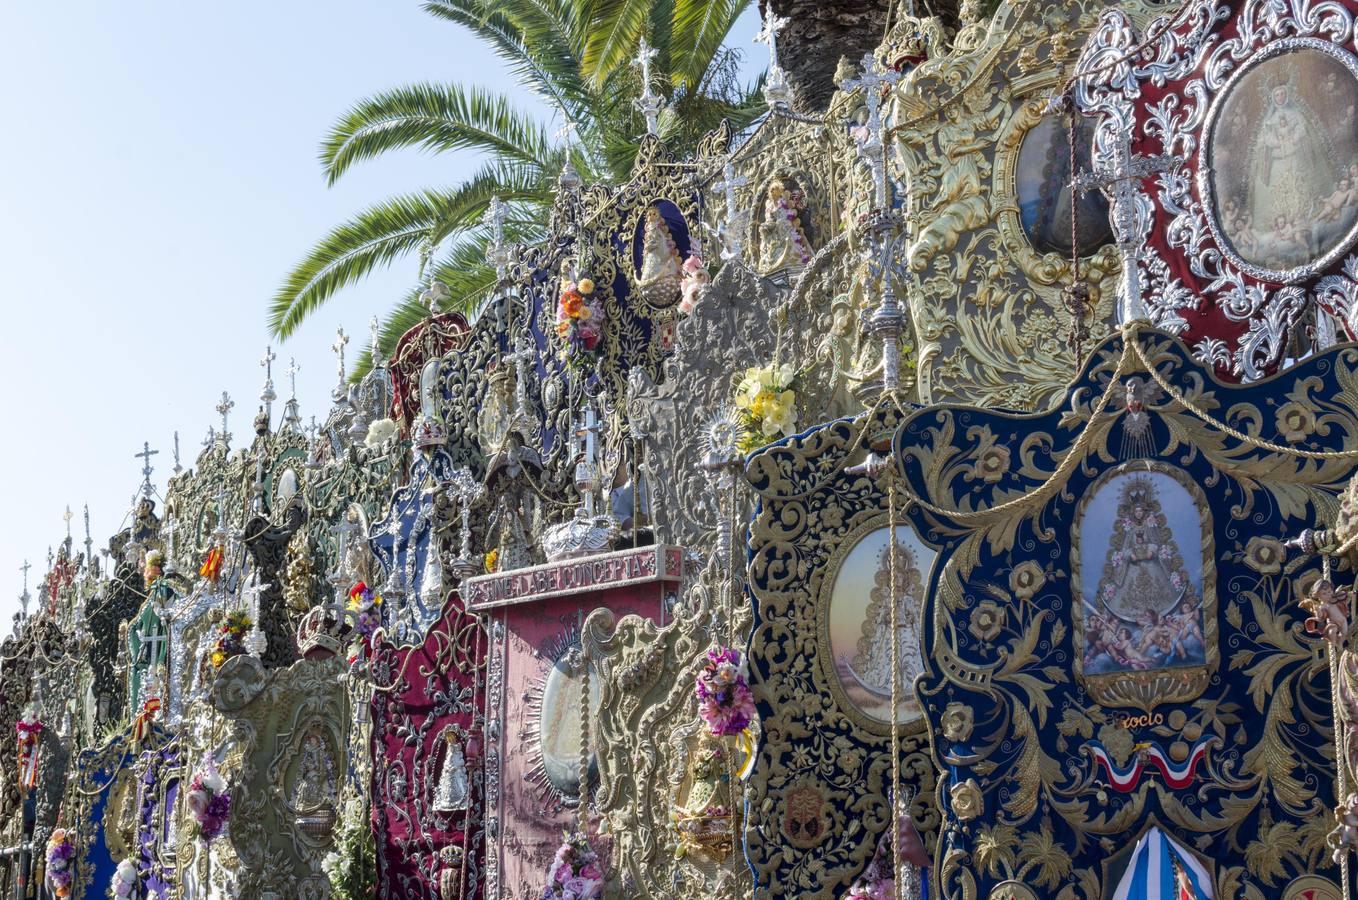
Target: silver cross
{"x": 25, "y": 596}
{"x": 267, "y": 396}
{"x": 146, "y": 469}
{"x": 497, "y": 254}
{"x": 224, "y": 410}
{"x": 776, "y": 90}
{"x": 341, "y": 339}
{"x": 293, "y": 369}
{"x": 67, "y": 517}
{"x": 733, "y": 236}
{"x": 649, "y": 103}
{"x": 374, "y": 335}
{"x": 1118, "y": 183}
{"x": 874, "y": 148}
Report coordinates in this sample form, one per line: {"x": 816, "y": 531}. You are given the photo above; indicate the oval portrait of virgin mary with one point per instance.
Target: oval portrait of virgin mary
{"x": 1282, "y": 156}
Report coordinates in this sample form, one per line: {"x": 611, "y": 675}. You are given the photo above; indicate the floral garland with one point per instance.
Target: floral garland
{"x": 125, "y": 879}
{"x": 766, "y": 399}
{"x": 60, "y": 850}
{"x": 579, "y": 322}
{"x": 231, "y": 638}
{"x": 29, "y": 730}
{"x": 694, "y": 284}
{"x": 209, "y": 802}
{"x": 576, "y": 872}
{"x": 724, "y": 698}
{"x": 352, "y": 865}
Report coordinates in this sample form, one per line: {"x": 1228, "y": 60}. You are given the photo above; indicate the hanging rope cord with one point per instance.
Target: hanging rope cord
{"x": 1132, "y": 353}
{"x": 897, "y": 875}
{"x": 1340, "y": 734}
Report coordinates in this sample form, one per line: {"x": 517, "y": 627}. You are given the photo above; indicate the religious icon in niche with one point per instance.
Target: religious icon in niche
{"x": 1140, "y": 579}
{"x": 860, "y": 622}
{"x": 783, "y": 240}
{"x": 559, "y": 725}
{"x": 1042, "y": 183}
{"x": 658, "y": 248}
{"x": 1282, "y": 158}
{"x": 314, "y": 790}
{"x": 453, "y": 791}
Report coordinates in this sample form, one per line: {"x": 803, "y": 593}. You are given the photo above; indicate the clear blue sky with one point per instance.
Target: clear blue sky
{"x": 158, "y": 177}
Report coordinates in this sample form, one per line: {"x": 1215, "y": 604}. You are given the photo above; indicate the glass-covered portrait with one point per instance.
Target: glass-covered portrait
{"x": 1042, "y": 183}
{"x": 1140, "y": 576}
{"x": 860, "y": 622}
{"x": 1283, "y": 157}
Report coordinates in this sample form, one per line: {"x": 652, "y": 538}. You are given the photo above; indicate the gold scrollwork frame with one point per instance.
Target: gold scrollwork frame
{"x": 824, "y": 649}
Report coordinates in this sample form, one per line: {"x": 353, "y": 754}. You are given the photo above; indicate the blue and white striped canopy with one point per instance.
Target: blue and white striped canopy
{"x": 1160, "y": 869}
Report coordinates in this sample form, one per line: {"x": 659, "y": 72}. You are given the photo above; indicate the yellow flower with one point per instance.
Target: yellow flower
{"x": 1296, "y": 421}
{"x": 492, "y": 560}
{"x": 218, "y": 657}
{"x": 586, "y": 286}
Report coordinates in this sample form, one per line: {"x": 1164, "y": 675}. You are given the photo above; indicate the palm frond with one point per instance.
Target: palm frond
{"x": 434, "y": 117}
{"x": 390, "y": 230}
{"x": 615, "y": 30}
{"x": 700, "y": 29}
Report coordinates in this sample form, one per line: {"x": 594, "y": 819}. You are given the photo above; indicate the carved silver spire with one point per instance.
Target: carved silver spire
{"x": 177, "y": 467}
{"x": 873, "y": 149}
{"x": 292, "y": 413}
{"x": 497, "y": 252}
{"x": 650, "y": 103}
{"x": 255, "y": 642}
{"x": 777, "y": 92}
{"x": 341, "y": 391}
{"x": 465, "y": 490}
{"x": 732, "y": 233}
{"x": 89, "y": 542}
{"x": 267, "y": 395}
{"x": 25, "y": 597}
{"x": 224, "y": 410}
{"x": 145, "y": 455}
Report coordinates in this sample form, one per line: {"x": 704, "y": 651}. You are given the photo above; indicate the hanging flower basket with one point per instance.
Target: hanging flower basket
{"x": 60, "y": 852}
{"x": 209, "y": 802}
{"x": 724, "y": 698}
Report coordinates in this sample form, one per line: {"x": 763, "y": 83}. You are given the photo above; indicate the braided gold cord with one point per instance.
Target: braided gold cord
{"x": 894, "y": 793}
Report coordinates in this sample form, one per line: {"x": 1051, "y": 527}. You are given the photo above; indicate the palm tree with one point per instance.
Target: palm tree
{"x": 575, "y": 56}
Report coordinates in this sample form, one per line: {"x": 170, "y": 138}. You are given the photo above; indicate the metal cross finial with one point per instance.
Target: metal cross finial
{"x": 733, "y": 236}
{"x": 1118, "y": 183}
{"x": 649, "y": 102}
{"x": 293, "y": 369}
{"x": 67, "y": 517}
{"x": 25, "y": 596}
{"x": 374, "y": 340}
{"x": 89, "y": 542}
{"x": 340, "y": 340}
{"x": 224, "y": 410}
{"x": 497, "y": 254}
{"x": 873, "y": 148}
{"x": 177, "y": 467}
{"x": 267, "y": 396}
{"x": 776, "y": 89}
{"x": 146, "y": 469}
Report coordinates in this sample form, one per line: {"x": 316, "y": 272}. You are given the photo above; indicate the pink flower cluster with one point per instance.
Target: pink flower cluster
{"x": 724, "y": 698}
{"x": 873, "y": 884}
{"x": 209, "y": 803}
{"x": 576, "y": 872}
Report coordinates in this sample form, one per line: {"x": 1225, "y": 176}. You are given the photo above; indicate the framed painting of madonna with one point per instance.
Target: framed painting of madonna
{"x": 1143, "y": 578}
{"x": 1116, "y": 662}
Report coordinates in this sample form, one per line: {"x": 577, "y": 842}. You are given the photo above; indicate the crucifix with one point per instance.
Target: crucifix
{"x": 497, "y": 254}
{"x": 649, "y": 102}
{"x": 776, "y": 90}
{"x": 569, "y": 180}
{"x": 224, "y": 409}
{"x": 293, "y": 369}
{"x": 1119, "y": 184}
{"x": 341, "y": 339}
{"x": 177, "y": 467}
{"x": 268, "y": 396}
{"x": 67, "y": 517}
{"x": 873, "y": 148}
{"x": 146, "y": 470}
{"x": 523, "y": 362}
{"x": 733, "y": 238}
{"x": 339, "y": 578}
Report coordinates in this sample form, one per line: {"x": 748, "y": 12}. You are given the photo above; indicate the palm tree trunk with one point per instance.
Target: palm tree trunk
{"x": 819, "y": 33}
